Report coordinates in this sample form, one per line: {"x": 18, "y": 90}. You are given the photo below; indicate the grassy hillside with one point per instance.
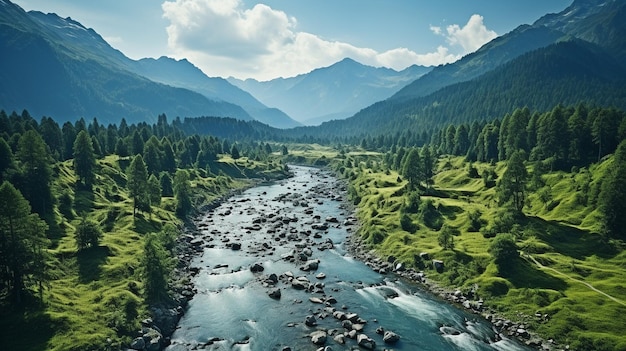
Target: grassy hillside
{"x": 567, "y": 283}
{"x": 95, "y": 298}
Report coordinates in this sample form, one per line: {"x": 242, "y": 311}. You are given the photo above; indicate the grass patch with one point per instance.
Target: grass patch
{"x": 559, "y": 232}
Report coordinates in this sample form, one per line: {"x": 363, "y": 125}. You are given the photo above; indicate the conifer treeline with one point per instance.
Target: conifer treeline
{"x": 564, "y": 136}
{"x": 30, "y": 150}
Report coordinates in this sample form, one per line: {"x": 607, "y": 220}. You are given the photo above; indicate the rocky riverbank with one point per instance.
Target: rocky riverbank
{"x": 307, "y": 235}
{"x": 156, "y": 332}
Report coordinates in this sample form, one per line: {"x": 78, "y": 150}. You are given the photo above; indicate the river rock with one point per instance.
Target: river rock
{"x": 256, "y": 268}
{"x": 365, "y": 342}
{"x": 310, "y": 265}
{"x": 390, "y": 337}
{"x": 275, "y": 294}
{"x": 438, "y": 265}
{"x": 138, "y": 344}
{"x": 449, "y": 331}
{"x": 340, "y": 339}
{"x": 339, "y": 315}
{"x": 310, "y": 321}
{"x": 319, "y": 337}
{"x": 316, "y": 300}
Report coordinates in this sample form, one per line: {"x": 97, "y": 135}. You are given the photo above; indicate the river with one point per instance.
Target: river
{"x": 279, "y": 227}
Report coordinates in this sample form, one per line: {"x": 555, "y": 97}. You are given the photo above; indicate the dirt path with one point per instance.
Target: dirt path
{"x": 574, "y": 279}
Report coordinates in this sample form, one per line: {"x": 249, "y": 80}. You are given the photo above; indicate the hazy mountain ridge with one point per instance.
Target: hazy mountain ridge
{"x": 184, "y": 74}
{"x": 334, "y": 92}
{"x": 45, "y": 53}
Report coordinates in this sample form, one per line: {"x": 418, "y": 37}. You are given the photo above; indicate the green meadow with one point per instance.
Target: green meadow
{"x": 95, "y": 298}
{"x": 566, "y": 272}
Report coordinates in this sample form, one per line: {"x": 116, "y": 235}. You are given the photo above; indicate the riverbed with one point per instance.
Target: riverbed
{"x": 276, "y": 274}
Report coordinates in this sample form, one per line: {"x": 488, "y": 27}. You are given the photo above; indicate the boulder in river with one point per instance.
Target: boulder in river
{"x": 390, "y": 337}
{"x": 310, "y": 265}
{"x": 300, "y": 283}
{"x": 310, "y": 320}
{"x": 256, "y": 268}
{"x": 319, "y": 337}
{"x": 365, "y": 342}
{"x": 274, "y": 294}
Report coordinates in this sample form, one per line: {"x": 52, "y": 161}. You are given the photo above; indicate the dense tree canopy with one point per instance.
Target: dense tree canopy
{"x": 612, "y": 199}
{"x": 22, "y": 243}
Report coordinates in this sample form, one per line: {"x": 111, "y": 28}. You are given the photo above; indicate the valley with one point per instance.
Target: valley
{"x": 474, "y": 203}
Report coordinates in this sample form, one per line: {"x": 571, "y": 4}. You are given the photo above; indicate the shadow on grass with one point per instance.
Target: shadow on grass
{"x": 571, "y": 241}
{"x": 90, "y": 262}
{"x": 524, "y": 275}
{"x": 55, "y": 232}
{"x": 26, "y": 328}
{"x": 83, "y": 200}
{"x": 143, "y": 225}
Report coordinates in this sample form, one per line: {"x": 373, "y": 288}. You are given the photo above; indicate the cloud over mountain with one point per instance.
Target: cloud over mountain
{"x": 225, "y": 36}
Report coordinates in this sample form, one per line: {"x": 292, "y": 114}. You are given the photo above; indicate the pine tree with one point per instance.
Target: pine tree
{"x": 152, "y": 155}
{"x": 22, "y": 243}
{"x": 36, "y": 172}
{"x": 413, "y": 169}
{"x": 154, "y": 189}
{"x": 167, "y": 188}
{"x": 88, "y": 234}
{"x": 512, "y": 186}
{"x": 137, "y": 183}
{"x": 612, "y": 198}
{"x": 156, "y": 266}
{"x": 84, "y": 159}
{"x": 182, "y": 193}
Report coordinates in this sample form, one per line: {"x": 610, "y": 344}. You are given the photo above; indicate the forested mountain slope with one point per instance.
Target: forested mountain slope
{"x": 564, "y": 73}
{"x": 72, "y": 72}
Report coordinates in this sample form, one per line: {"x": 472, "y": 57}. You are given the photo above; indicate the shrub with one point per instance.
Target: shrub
{"x": 503, "y": 250}
{"x": 407, "y": 223}
{"x": 475, "y": 221}
{"x": 412, "y": 203}
{"x": 88, "y": 234}
{"x": 430, "y": 216}
{"x": 446, "y": 237}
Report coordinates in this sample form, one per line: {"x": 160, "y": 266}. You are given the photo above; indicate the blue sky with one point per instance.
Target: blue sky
{"x": 273, "y": 38}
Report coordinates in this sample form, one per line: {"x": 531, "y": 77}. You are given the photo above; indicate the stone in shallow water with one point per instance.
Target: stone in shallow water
{"x": 319, "y": 337}
{"x": 275, "y": 294}
{"x": 391, "y": 337}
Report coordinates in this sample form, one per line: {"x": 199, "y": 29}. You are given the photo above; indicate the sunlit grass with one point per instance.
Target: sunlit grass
{"x": 560, "y": 232}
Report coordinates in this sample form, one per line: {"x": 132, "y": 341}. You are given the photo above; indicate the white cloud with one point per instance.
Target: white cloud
{"x": 223, "y": 38}
{"x": 471, "y": 37}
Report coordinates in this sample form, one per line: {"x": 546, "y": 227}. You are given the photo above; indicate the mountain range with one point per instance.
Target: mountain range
{"x": 57, "y": 67}
{"x": 334, "y": 92}
{"x": 573, "y": 56}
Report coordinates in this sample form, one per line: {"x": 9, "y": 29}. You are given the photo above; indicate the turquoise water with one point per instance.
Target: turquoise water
{"x": 232, "y": 309}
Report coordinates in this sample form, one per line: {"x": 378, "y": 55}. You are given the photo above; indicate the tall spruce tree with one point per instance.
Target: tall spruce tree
{"x": 612, "y": 198}
{"x": 84, "y": 159}
{"x": 137, "y": 183}
{"x": 413, "y": 169}
{"x": 23, "y": 244}
{"x": 512, "y": 186}
{"x": 36, "y": 172}
{"x": 182, "y": 193}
